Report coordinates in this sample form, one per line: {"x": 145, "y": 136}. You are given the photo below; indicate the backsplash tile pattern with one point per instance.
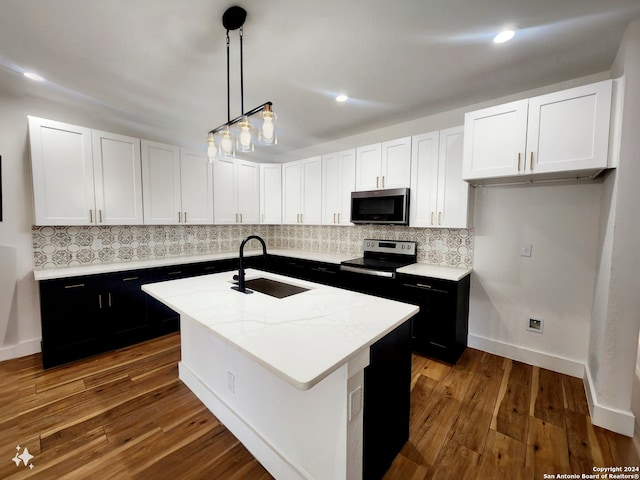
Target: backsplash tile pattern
{"x": 55, "y": 247}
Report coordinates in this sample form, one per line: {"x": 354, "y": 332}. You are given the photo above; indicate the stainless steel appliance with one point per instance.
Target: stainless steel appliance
{"x": 382, "y": 258}
{"x": 381, "y": 206}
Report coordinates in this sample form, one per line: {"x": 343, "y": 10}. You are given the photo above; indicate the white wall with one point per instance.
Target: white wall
{"x": 555, "y": 284}
{"x": 615, "y": 320}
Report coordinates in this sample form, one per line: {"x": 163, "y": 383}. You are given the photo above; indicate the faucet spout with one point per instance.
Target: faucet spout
{"x": 241, "y": 287}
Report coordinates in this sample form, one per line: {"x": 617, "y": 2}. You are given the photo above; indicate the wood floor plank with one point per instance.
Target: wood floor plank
{"x": 430, "y": 368}
{"x": 575, "y": 397}
{"x": 547, "y": 448}
{"x": 549, "y": 405}
{"x": 513, "y": 413}
{"x": 455, "y": 462}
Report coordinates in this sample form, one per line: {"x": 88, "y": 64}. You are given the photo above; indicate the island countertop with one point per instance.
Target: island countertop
{"x": 301, "y": 338}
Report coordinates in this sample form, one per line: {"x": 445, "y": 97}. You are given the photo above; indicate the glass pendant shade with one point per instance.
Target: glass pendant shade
{"x": 212, "y": 148}
{"x": 226, "y": 142}
{"x": 268, "y": 127}
{"x": 245, "y": 135}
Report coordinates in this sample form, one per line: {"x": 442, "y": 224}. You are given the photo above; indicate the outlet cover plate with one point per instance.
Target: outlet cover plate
{"x": 535, "y": 324}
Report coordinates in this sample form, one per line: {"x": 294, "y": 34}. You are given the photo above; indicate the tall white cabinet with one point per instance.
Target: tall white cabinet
{"x": 84, "y": 177}
{"x": 338, "y": 181}
{"x": 236, "y": 191}
{"x": 565, "y": 131}
{"x": 302, "y": 191}
{"x": 196, "y": 187}
{"x": 439, "y": 196}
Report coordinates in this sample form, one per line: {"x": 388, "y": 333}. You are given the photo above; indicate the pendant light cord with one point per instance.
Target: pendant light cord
{"x": 228, "y": 84}
{"x": 241, "y": 76}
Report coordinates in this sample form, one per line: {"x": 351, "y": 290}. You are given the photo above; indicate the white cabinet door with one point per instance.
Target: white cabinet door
{"x": 248, "y": 191}
{"x": 330, "y": 188}
{"x": 569, "y": 130}
{"x": 396, "y": 163}
{"x": 291, "y": 192}
{"x": 424, "y": 180}
{"x": 161, "y": 184}
{"x": 61, "y": 160}
{"x": 225, "y": 192}
{"x": 117, "y": 173}
{"x": 368, "y": 167}
{"x": 495, "y": 141}
{"x": 271, "y": 193}
{"x": 347, "y": 161}
{"x": 196, "y": 182}
{"x": 453, "y": 192}
{"x": 311, "y": 172}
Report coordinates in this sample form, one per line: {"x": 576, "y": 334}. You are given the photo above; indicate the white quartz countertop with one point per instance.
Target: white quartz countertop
{"x": 420, "y": 269}
{"x": 301, "y": 338}
{"x": 435, "y": 271}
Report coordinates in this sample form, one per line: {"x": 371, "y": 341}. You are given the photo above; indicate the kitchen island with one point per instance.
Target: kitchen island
{"x": 288, "y": 376}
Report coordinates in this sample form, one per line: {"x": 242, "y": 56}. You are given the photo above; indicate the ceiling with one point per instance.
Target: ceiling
{"x": 162, "y": 63}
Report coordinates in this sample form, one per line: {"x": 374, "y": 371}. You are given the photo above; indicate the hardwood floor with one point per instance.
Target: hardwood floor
{"x": 126, "y": 414}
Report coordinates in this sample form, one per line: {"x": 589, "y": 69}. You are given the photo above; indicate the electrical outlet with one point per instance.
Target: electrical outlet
{"x": 535, "y": 325}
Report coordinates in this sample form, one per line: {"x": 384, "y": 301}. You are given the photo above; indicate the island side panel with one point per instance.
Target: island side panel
{"x": 293, "y": 433}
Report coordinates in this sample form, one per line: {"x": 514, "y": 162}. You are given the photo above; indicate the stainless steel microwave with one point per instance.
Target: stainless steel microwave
{"x": 381, "y": 206}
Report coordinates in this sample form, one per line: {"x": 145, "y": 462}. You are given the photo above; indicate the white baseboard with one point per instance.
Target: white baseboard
{"x": 20, "y": 350}
{"x": 529, "y": 356}
{"x": 614, "y": 419}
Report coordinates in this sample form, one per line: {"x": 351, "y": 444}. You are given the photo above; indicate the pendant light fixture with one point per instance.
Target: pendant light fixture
{"x": 239, "y": 134}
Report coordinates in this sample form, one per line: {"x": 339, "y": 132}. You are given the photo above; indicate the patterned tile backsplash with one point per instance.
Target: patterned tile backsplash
{"x": 72, "y": 246}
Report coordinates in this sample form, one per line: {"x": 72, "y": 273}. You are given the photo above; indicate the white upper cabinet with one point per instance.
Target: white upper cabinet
{"x": 439, "y": 196}
{"x": 62, "y": 164}
{"x": 271, "y": 193}
{"x": 557, "y": 135}
{"x": 384, "y": 165}
{"x": 117, "y": 174}
{"x": 84, "y": 177}
{"x": 302, "y": 191}
{"x": 161, "y": 184}
{"x": 196, "y": 187}
{"x": 236, "y": 187}
{"x": 338, "y": 181}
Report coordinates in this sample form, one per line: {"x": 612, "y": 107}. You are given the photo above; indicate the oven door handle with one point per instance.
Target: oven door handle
{"x": 366, "y": 271}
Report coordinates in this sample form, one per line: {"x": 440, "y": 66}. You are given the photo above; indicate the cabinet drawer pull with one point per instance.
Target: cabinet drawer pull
{"x": 177, "y": 272}
{"x": 437, "y": 345}
{"x": 76, "y": 285}
{"x": 240, "y": 218}
{"x": 424, "y": 286}
{"x": 90, "y": 216}
{"x": 377, "y": 180}
{"x": 109, "y": 299}
{"x": 334, "y": 217}
{"x": 185, "y": 217}
{"x": 431, "y": 218}
{"x": 518, "y": 161}
{"x": 383, "y": 181}
{"x": 179, "y": 217}
{"x": 128, "y": 279}
{"x": 439, "y": 218}
{"x": 99, "y": 216}
{"x": 100, "y": 301}
{"x": 531, "y": 161}
{"x": 338, "y": 218}
{"x": 211, "y": 268}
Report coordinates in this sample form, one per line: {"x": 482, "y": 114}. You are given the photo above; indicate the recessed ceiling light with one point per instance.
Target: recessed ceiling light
{"x": 342, "y": 98}
{"x": 504, "y": 36}
{"x": 34, "y": 76}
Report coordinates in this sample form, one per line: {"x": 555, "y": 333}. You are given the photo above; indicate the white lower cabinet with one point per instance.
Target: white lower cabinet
{"x": 177, "y": 185}
{"x": 271, "y": 193}
{"x": 338, "y": 181}
{"x": 236, "y": 191}
{"x": 558, "y": 135}
{"x": 302, "y": 191}
{"x": 84, "y": 177}
{"x": 439, "y": 196}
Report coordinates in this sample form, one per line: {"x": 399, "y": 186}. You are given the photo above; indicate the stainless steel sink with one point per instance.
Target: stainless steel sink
{"x": 273, "y": 287}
